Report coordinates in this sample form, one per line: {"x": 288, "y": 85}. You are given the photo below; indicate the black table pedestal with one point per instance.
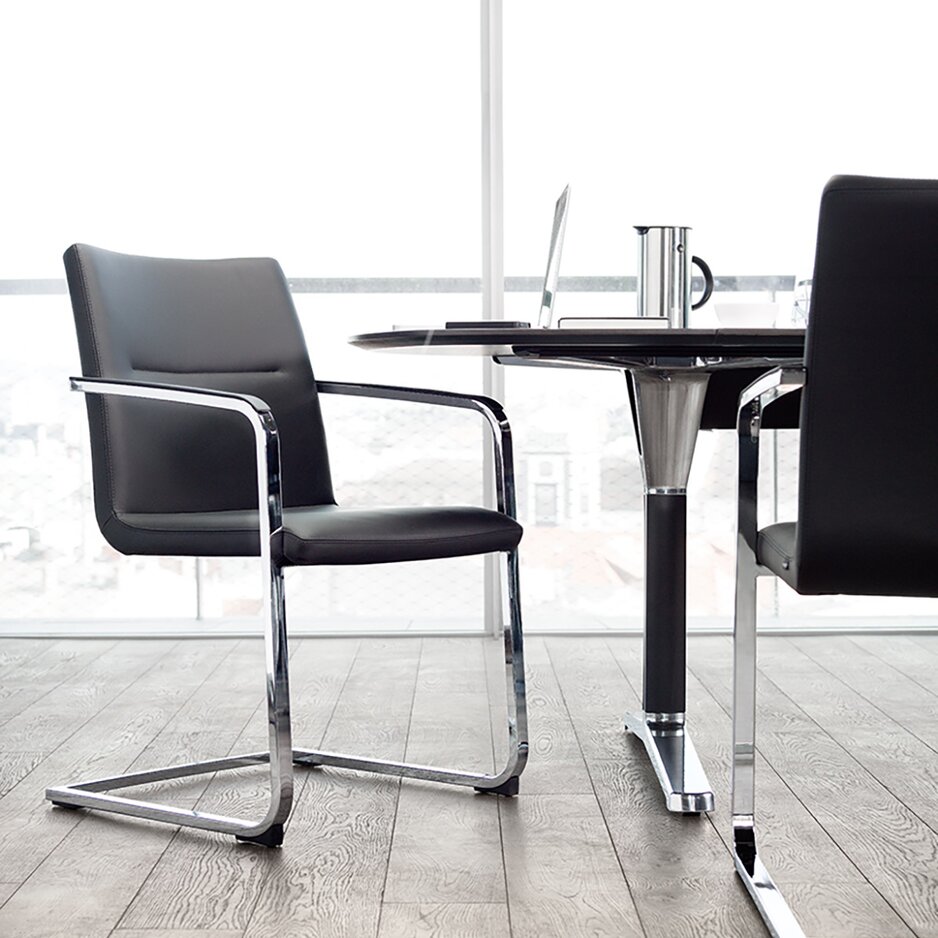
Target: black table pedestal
{"x": 668, "y": 406}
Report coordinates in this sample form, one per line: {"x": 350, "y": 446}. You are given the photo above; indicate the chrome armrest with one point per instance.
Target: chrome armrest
{"x": 256, "y": 411}
{"x": 764, "y": 391}
{"x": 490, "y": 409}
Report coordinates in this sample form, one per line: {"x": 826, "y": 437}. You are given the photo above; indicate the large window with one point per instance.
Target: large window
{"x": 344, "y": 139}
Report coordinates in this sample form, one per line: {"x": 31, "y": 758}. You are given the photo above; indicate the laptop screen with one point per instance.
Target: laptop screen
{"x": 553, "y": 259}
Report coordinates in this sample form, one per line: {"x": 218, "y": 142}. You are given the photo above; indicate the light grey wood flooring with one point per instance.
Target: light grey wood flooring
{"x": 847, "y": 790}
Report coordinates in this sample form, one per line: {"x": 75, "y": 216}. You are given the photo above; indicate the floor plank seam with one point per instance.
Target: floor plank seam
{"x": 335, "y": 704}
{"x": 397, "y": 799}
{"x": 501, "y": 826}
{"x": 589, "y": 773}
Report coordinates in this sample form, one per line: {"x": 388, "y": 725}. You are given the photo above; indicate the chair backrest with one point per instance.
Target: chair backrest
{"x": 868, "y": 495}
{"x": 222, "y": 324}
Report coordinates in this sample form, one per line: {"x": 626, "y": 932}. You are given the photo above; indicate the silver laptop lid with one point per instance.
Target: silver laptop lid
{"x": 553, "y": 259}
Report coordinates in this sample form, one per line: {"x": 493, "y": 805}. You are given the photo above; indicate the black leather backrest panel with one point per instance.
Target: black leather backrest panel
{"x": 225, "y": 324}
{"x": 868, "y": 499}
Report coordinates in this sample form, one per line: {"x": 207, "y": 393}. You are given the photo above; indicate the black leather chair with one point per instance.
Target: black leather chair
{"x": 207, "y": 440}
{"x": 867, "y": 500}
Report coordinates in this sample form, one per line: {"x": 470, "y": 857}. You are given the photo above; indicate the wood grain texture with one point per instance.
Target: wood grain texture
{"x": 852, "y": 910}
{"x": 449, "y": 722}
{"x": 596, "y": 695}
{"x": 444, "y": 920}
{"x": 84, "y": 885}
{"x": 31, "y": 680}
{"x": 446, "y": 845}
{"x": 916, "y": 657}
{"x": 206, "y": 880}
{"x": 16, "y": 766}
{"x": 173, "y": 933}
{"x": 844, "y": 793}
{"x": 328, "y": 879}
{"x": 794, "y": 846}
{"x": 330, "y": 875}
{"x": 555, "y": 762}
{"x": 51, "y": 719}
{"x": 696, "y": 907}
{"x": 563, "y": 874}
{"x": 7, "y": 890}
{"x": 879, "y": 834}
{"x": 895, "y": 851}
{"x": 887, "y": 694}
{"x": 143, "y": 698}
{"x": 15, "y": 652}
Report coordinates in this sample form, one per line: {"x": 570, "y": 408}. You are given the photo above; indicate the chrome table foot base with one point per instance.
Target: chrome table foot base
{"x": 772, "y": 906}
{"x": 674, "y": 759}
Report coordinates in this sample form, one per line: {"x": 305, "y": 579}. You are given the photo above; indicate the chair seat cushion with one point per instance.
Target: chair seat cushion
{"x": 333, "y": 535}
{"x": 322, "y": 534}
{"x": 775, "y": 549}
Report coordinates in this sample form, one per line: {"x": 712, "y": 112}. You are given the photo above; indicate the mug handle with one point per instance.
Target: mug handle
{"x": 708, "y": 281}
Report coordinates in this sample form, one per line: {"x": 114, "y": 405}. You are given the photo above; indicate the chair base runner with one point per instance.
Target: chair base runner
{"x": 773, "y": 908}
{"x": 272, "y": 837}
{"x": 509, "y": 789}
{"x": 500, "y": 784}
{"x": 94, "y": 795}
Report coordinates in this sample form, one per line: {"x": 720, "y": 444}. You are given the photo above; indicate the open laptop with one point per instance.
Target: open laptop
{"x": 549, "y": 290}
{"x": 553, "y": 260}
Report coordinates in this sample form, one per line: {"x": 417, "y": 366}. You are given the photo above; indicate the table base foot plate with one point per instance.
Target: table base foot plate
{"x": 675, "y": 761}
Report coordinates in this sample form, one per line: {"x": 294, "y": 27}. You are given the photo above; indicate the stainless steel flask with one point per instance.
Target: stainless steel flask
{"x": 664, "y": 274}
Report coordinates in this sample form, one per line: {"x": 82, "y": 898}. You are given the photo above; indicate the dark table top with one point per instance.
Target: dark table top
{"x": 601, "y": 345}
{"x": 735, "y": 357}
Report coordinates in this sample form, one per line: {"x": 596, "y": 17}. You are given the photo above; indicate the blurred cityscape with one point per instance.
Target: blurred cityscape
{"x": 579, "y": 492}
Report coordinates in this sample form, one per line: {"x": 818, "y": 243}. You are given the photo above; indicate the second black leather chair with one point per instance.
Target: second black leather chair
{"x": 867, "y": 500}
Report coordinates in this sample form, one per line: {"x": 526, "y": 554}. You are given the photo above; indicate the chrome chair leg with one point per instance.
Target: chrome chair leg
{"x": 775, "y": 912}
{"x": 503, "y": 782}
{"x": 267, "y": 831}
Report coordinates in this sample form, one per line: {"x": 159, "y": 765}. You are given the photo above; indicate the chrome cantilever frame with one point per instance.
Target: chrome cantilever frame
{"x": 281, "y": 755}
{"x": 269, "y": 829}
{"x": 504, "y": 782}
{"x": 760, "y": 885}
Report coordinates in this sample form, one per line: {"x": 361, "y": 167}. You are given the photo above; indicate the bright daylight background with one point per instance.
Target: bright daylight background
{"x": 344, "y": 139}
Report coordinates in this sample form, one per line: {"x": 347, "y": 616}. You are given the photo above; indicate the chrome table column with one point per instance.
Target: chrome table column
{"x": 668, "y": 408}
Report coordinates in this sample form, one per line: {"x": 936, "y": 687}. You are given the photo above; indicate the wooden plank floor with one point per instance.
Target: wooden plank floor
{"x": 848, "y": 792}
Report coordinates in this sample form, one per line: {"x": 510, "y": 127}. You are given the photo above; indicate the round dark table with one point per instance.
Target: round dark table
{"x": 679, "y": 381}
